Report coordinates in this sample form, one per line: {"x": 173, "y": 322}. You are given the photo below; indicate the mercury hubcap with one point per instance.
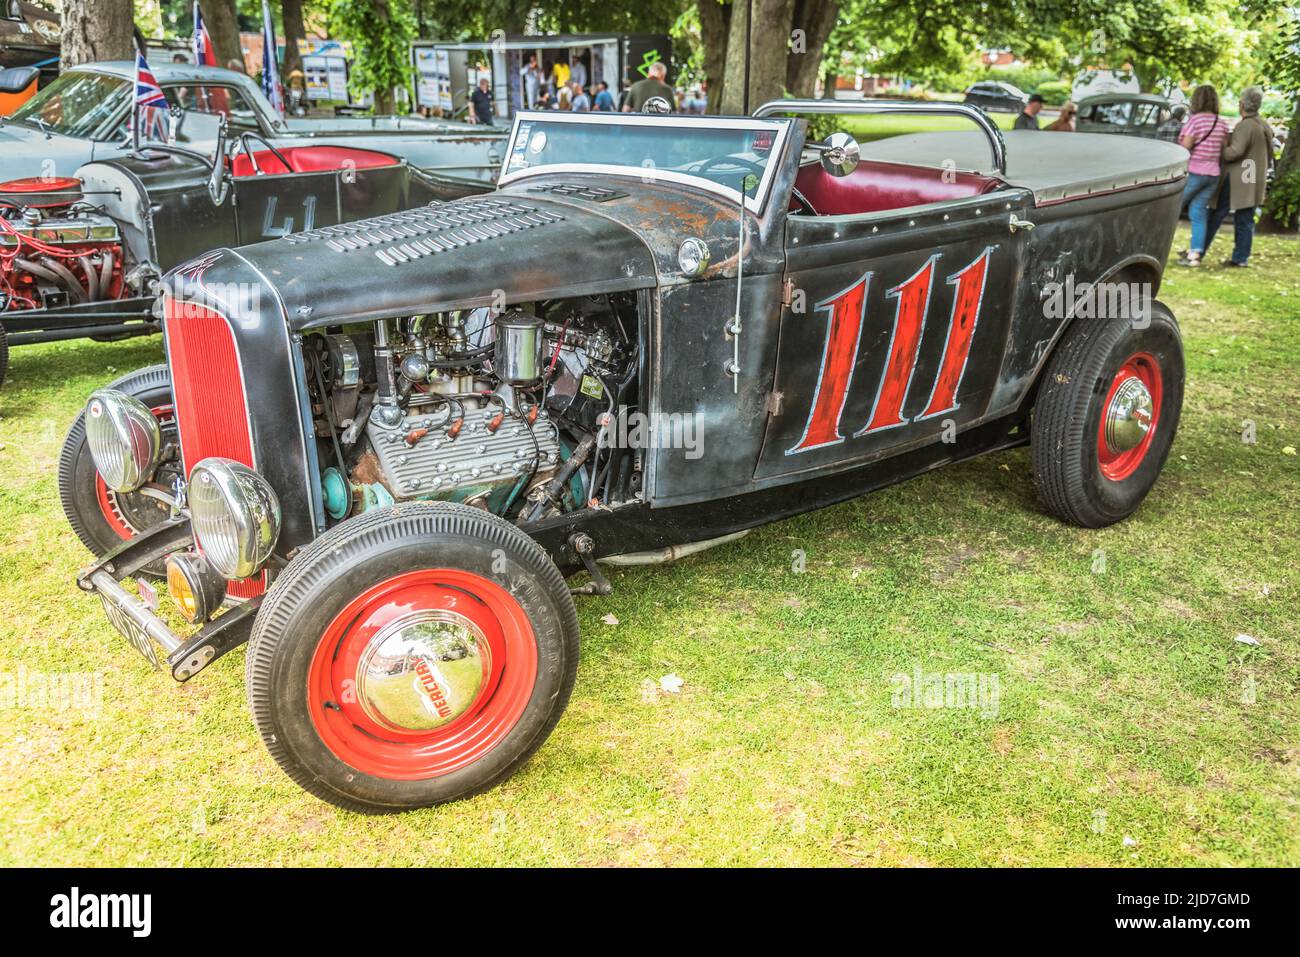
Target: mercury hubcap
{"x": 423, "y": 670}
{"x": 1128, "y": 416}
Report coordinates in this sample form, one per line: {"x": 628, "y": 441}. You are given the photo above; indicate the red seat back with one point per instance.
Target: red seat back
{"x": 876, "y": 186}
{"x": 310, "y": 159}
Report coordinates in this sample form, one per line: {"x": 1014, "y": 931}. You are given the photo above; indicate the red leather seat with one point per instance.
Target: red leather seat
{"x": 876, "y": 186}
{"x": 310, "y": 159}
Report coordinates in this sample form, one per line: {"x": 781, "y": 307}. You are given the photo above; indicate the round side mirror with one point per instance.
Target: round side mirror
{"x": 840, "y": 154}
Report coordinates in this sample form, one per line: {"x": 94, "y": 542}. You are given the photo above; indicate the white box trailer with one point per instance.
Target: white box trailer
{"x": 447, "y": 72}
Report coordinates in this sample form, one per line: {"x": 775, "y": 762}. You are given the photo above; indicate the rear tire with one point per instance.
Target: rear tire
{"x": 103, "y": 519}
{"x": 361, "y": 707}
{"x": 1084, "y": 477}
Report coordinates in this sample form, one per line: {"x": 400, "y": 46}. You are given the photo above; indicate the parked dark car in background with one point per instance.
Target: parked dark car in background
{"x": 1131, "y": 114}
{"x": 996, "y": 96}
{"x": 389, "y": 441}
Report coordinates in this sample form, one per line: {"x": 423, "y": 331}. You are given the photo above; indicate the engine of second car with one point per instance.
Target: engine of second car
{"x": 55, "y": 249}
{"x": 499, "y": 410}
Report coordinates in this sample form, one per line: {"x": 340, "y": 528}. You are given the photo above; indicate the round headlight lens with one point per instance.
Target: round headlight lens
{"x": 124, "y": 439}
{"x": 235, "y": 515}
{"x": 693, "y": 257}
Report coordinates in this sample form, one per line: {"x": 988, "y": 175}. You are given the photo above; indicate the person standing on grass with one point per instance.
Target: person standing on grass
{"x": 1028, "y": 118}
{"x": 1203, "y": 135}
{"x": 1246, "y": 159}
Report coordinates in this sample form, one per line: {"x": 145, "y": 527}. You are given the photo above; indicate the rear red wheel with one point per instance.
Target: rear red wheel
{"x": 1130, "y": 413}
{"x": 412, "y": 655}
{"x": 1106, "y": 415}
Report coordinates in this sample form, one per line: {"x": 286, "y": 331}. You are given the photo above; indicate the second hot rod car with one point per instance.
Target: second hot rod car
{"x": 81, "y": 256}
{"x": 377, "y": 449}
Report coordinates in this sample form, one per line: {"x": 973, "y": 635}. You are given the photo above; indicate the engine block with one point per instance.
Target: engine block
{"x": 425, "y": 456}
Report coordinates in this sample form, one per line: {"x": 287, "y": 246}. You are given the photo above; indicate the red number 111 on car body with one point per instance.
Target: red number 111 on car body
{"x": 846, "y": 312}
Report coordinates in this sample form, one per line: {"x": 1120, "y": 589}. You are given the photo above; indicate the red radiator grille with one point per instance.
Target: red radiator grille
{"x": 208, "y": 393}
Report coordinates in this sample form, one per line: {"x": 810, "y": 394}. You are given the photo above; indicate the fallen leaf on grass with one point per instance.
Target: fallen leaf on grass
{"x": 671, "y": 684}
{"x": 609, "y": 619}
{"x": 1246, "y": 639}
{"x": 1288, "y": 450}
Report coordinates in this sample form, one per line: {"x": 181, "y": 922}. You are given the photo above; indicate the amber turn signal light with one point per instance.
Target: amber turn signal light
{"x": 196, "y": 589}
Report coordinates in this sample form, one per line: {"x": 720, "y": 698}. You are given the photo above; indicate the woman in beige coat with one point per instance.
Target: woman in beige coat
{"x": 1246, "y": 158}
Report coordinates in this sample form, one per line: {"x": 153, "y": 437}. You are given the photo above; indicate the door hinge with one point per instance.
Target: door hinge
{"x": 787, "y": 293}
{"x": 773, "y": 404}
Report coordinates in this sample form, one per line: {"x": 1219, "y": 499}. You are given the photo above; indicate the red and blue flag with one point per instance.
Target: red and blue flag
{"x": 150, "y": 104}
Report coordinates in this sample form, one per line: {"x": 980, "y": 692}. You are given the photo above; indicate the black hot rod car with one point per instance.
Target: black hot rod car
{"x": 377, "y": 448}
{"x": 81, "y": 256}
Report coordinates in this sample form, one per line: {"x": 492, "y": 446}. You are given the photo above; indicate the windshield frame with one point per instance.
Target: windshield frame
{"x": 780, "y": 127}
{"x": 100, "y": 133}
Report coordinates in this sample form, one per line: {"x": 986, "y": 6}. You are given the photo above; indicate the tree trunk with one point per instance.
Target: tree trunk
{"x": 817, "y": 19}
{"x": 95, "y": 30}
{"x": 293, "y": 32}
{"x": 715, "y": 18}
{"x": 384, "y": 99}
{"x": 768, "y": 54}
{"x": 223, "y": 27}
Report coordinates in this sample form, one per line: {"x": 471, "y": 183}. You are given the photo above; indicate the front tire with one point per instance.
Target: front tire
{"x": 102, "y": 518}
{"x": 413, "y": 655}
{"x": 1106, "y": 416}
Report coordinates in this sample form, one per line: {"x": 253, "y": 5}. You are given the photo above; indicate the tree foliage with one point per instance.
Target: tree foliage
{"x": 381, "y": 32}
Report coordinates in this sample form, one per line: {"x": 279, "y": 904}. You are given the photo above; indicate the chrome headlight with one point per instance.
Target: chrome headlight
{"x": 124, "y": 439}
{"x": 235, "y": 515}
{"x": 693, "y": 257}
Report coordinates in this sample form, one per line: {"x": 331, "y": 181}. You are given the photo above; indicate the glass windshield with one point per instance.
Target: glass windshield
{"x": 716, "y": 153}
{"x": 76, "y": 104}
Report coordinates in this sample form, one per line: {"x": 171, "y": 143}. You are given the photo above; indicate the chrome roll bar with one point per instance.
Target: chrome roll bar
{"x": 977, "y": 116}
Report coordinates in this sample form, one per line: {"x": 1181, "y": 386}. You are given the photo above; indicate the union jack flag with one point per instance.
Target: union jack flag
{"x": 150, "y": 104}
{"x": 204, "y": 54}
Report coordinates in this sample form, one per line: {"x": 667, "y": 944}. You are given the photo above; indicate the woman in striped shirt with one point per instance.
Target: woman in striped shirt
{"x": 1203, "y": 135}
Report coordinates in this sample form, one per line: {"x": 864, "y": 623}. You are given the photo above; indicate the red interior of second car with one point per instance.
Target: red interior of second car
{"x": 876, "y": 186}
{"x": 309, "y": 159}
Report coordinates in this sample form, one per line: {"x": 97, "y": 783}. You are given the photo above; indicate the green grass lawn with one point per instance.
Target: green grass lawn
{"x": 868, "y": 128}
{"x": 1130, "y": 727}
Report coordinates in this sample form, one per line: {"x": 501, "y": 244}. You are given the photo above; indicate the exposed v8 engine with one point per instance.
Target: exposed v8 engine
{"x": 500, "y": 411}
{"x": 54, "y": 249}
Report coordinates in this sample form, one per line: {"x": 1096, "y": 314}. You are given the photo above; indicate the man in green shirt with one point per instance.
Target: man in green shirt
{"x": 653, "y": 85}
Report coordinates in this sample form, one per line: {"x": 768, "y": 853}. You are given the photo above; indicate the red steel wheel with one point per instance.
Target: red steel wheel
{"x": 422, "y": 674}
{"x": 1129, "y": 416}
{"x": 1106, "y": 414}
{"x": 412, "y": 655}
